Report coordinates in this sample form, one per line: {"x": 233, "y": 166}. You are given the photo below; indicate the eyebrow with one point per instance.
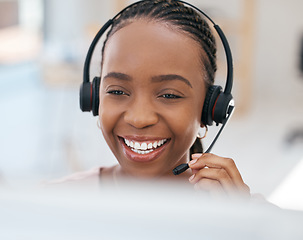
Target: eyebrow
{"x": 117, "y": 75}
{"x": 160, "y": 78}
{"x": 170, "y": 77}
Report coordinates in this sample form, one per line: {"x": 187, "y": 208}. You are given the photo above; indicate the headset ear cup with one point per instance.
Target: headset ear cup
{"x": 210, "y": 99}
{"x": 95, "y": 95}
{"x": 220, "y": 111}
{"x": 86, "y": 97}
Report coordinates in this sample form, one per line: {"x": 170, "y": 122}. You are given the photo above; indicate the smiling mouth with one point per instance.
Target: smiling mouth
{"x": 144, "y": 147}
{"x": 143, "y": 150}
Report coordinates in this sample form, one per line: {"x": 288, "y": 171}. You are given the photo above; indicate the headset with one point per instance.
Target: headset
{"x": 218, "y": 104}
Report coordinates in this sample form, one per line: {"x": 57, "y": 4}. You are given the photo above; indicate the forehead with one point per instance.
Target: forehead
{"x": 154, "y": 47}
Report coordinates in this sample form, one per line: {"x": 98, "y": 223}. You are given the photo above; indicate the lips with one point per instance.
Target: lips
{"x": 143, "y": 151}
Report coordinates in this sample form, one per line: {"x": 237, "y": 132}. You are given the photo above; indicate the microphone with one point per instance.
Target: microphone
{"x": 184, "y": 166}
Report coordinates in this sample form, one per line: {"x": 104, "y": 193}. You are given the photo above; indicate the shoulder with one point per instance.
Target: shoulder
{"x": 93, "y": 174}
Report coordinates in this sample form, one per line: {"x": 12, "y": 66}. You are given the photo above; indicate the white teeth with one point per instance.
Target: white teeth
{"x": 141, "y": 152}
{"x": 143, "y": 146}
{"x": 137, "y": 145}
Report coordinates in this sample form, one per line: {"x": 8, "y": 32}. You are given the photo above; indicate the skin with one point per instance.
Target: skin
{"x": 152, "y": 88}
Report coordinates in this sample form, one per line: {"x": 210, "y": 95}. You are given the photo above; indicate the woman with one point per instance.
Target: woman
{"x": 158, "y": 61}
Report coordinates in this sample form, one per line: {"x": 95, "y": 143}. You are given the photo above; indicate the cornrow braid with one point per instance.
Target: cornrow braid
{"x": 184, "y": 19}
{"x": 178, "y": 15}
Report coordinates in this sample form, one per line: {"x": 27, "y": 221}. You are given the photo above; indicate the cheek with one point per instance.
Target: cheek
{"x": 108, "y": 117}
{"x": 185, "y": 124}
{"x": 189, "y": 120}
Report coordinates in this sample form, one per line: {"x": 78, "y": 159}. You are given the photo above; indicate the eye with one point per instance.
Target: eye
{"x": 170, "y": 96}
{"x": 116, "y": 92}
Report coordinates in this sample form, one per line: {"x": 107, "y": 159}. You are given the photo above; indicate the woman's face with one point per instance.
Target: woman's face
{"x": 151, "y": 98}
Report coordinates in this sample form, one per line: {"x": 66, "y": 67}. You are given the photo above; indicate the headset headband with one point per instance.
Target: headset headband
{"x": 229, "y": 61}
{"x": 216, "y": 104}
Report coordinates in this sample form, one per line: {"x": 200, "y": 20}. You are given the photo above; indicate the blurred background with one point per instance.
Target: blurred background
{"x": 44, "y": 135}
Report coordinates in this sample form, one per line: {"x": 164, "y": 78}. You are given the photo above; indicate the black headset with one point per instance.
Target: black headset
{"x": 218, "y": 104}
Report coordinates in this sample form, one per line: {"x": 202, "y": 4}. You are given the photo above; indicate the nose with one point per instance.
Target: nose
{"x": 141, "y": 114}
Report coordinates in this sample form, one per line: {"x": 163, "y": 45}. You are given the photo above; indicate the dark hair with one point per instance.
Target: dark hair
{"x": 185, "y": 20}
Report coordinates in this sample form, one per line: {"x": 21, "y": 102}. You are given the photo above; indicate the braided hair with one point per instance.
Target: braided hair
{"x": 183, "y": 19}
